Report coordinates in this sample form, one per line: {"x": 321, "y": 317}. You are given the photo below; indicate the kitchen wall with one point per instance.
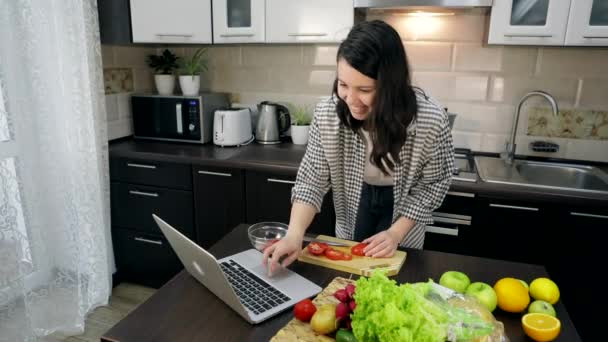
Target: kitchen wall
{"x": 481, "y": 83}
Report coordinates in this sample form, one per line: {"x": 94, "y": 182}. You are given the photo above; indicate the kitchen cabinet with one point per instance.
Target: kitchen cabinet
{"x": 238, "y": 21}
{"x": 138, "y": 189}
{"x": 219, "y": 202}
{"x": 177, "y": 21}
{"x": 575, "y": 238}
{"x": 114, "y": 22}
{"x": 269, "y": 199}
{"x": 451, "y": 229}
{"x": 510, "y": 230}
{"x": 529, "y": 22}
{"x": 588, "y": 23}
{"x": 312, "y": 21}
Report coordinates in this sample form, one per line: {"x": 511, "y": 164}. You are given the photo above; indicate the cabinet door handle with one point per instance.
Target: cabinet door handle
{"x": 141, "y": 166}
{"x": 155, "y": 242}
{"x": 442, "y": 231}
{"x": 311, "y": 34}
{"x": 595, "y": 37}
{"x": 284, "y": 181}
{"x": 461, "y": 194}
{"x": 174, "y": 35}
{"x": 588, "y": 215}
{"x": 227, "y": 35}
{"x": 450, "y": 220}
{"x": 512, "y": 207}
{"x": 522, "y": 35}
{"x": 211, "y": 173}
{"x": 141, "y": 193}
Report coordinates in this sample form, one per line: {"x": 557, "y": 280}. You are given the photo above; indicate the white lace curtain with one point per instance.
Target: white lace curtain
{"x": 55, "y": 246}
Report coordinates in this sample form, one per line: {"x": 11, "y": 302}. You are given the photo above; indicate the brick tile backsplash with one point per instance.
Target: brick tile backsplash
{"x": 449, "y": 58}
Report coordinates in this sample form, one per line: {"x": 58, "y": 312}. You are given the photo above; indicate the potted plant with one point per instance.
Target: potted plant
{"x": 190, "y": 72}
{"x": 164, "y": 67}
{"x": 301, "y": 117}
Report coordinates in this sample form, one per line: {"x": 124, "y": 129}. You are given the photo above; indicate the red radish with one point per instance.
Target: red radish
{"x": 342, "y": 295}
{"x": 350, "y": 289}
{"x": 342, "y": 311}
{"x": 352, "y": 305}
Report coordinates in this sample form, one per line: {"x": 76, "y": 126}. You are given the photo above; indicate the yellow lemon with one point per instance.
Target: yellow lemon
{"x": 544, "y": 289}
{"x": 512, "y": 295}
{"x": 541, "y": 327}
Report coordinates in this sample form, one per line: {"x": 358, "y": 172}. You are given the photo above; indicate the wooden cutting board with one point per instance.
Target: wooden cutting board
{"x": 298, "y": 331}
{"x": 359, "y": 265}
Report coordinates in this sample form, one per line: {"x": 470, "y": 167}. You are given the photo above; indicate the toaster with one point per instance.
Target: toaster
{"x": 232, "y": 127}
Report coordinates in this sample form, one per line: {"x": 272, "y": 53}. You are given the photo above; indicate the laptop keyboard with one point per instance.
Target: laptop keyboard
{"x": 257, "y": 295}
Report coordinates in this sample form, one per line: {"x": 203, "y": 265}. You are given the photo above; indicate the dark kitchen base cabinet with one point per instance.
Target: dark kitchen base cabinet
{"x": 269, "y": 199}
{"x": 219, "y": 202}
{"x": 451, "y": 229}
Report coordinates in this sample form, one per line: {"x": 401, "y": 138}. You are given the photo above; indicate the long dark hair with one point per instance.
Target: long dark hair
{"x": 375, "y": 49}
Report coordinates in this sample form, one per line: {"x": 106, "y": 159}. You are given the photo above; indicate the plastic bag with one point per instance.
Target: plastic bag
{"x": 469, "y": 320}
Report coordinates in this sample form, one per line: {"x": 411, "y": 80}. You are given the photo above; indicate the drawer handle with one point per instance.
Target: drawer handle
{"x": 210, "y": 173}
{"x": 461, "y": 194}
{"x": 155, "y": 242}
{"x": 173, "y": 35}
{"x": 284, "y": 181}
{"x": 236, "y": 35}
{"x": 595, "y": 37}
{"x": 141, "y": 166}
{"x": 453, "y": 216}
{"x": 588, "y": 215}
{"x": 451, "y": 220}
{"x": 141, "y": 193}
{"x": 512, "y": 207}
{"x": 521, "y": 35}
{"x": 442, "y": 231}
{"x": 307, "y": 34}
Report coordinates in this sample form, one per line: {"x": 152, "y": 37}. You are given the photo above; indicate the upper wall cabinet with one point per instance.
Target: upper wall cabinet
{"x": 176, "y": 21}
{"x": 310, "y": 21}
{"x": 529, "y": 22}
{"x": 588, "y": 23}
{"x": 238, "y": 21}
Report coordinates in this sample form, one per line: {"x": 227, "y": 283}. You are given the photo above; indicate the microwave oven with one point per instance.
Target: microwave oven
{"x": 176, "y": 118}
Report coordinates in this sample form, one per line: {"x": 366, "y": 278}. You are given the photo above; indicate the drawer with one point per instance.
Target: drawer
{"x": 133, "y": 206}
{"x": 163, "y": 174}
{"x": 144, "y": 258}
{"x": 457, "y": 203}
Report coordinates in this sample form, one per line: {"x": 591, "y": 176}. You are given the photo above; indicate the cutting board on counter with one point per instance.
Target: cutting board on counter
{"x": 358, "y": 265}
{"x": 298, "y": 331}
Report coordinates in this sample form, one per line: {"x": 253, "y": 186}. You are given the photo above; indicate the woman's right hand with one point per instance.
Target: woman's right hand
{"x": 288, "y": 249}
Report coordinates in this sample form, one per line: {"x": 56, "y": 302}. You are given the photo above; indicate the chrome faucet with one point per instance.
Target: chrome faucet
{"x": 509, "y": 154}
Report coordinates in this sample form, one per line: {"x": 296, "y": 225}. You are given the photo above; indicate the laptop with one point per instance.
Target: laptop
{"x": 240, "y": 280}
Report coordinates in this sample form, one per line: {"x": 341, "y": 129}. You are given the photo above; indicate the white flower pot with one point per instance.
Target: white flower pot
{"x": 190, "y": 84}
{"x": 164, "y": 84}
{"x": 299, "y": 134}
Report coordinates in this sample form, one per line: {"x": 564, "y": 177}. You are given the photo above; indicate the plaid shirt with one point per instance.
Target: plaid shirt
{"x": 335, "y": 157}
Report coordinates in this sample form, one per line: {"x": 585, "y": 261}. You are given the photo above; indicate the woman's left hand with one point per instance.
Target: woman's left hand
{"x": 383, "y": 244}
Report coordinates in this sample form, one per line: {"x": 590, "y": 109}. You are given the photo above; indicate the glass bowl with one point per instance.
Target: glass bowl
{"x": 263, "y": 233}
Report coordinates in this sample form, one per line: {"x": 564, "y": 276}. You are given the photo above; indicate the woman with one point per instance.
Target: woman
{"x": 384, "y": 148}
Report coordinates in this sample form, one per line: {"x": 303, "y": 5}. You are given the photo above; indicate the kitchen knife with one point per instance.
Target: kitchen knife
{"x": 309, "y": 238}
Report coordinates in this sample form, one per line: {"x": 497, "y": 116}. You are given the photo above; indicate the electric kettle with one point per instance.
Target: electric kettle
{"x": 273, "y": 120}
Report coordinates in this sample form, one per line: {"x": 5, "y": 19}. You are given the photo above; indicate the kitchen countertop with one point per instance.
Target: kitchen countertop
{"x": 285, "y": 158}
{"x": 176, "y": 311}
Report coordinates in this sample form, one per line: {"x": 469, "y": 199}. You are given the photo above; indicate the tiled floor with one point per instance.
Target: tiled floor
{"x": 125, "y": 297}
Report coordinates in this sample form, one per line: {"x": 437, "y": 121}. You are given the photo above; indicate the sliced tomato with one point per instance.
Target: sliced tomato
{"x": 317, "y": 248}
{"x": 347, "y": 257}
{"x": 334, "y": 254}
{"x": 358, "y": 249}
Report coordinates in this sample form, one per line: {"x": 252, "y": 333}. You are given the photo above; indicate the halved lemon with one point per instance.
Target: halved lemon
{"x": 541, "y": 327}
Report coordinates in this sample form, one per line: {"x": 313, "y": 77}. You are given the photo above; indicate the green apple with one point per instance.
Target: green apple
{"x": 540, "y": 306}
{"x": 524, "y": 284}
{"x": 455, "y": 280}
{"x": 484, "y": 293}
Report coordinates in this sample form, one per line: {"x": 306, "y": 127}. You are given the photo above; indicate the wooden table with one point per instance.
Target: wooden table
{"x": 184, "y": 310}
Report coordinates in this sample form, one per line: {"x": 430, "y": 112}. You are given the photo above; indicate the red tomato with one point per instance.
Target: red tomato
{"x": 317, "y": 248}
{"x": 334, "y": 255}
{"x": 304, "y": 310}
{"x": 358, "y": 249}
{"x": 347, "y": 256}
